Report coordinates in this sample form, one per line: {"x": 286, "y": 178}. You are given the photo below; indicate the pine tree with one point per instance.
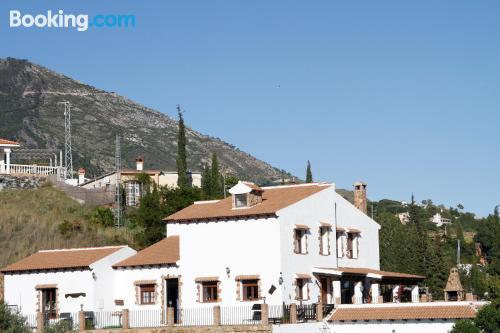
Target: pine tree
{"x": 309, "y": 175}
{"x": 182, "y": 180}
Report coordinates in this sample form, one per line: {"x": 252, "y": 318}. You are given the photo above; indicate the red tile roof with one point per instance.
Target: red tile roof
{"x": 61, "y": 259}
{"x": 165, "y": 252}
{"x": 273, "y": 199}
{"x": 8, "y": 142}
{"x": 430, "y": 311}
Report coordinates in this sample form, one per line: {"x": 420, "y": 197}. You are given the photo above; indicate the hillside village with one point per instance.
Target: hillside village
{"x": 157, "y": 240}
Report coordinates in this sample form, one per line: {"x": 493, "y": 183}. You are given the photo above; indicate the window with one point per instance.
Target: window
{"x": 302, "y": 290}
{"x": 352, "y": 245}
{"x": 147, "y": 293}
{"x": 240, "y": 200}
{"x": 324, "y": 240}
{"x": 340, "y": 245}
{"x": 49, "y": 302}
{"x": 132, "y": 193}
{"x": 300, "y": 241}
{"x": 250, "y": 290}
{"x": 210, "y": 291}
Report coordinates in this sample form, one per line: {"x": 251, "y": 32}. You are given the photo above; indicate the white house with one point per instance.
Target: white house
{"x": 5, "y": 151}
{"x": 299, "y": 244}
{"x": 439, "y": 220}
{"x": 63, "y": 281}
{"x": 131, "y": 185}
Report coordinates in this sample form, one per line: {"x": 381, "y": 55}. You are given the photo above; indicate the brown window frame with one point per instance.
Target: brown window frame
{"x": 326, "y": 232}
{"x": 210, "y": 292}
{"x": 298, "y": 248}
{"x": 254, "y": 285}
{"x": 147, "y": 289}
{"x": 301, "y": 283}
{"x": 351, "y": 238}
{"x": 240, "y": 203}
{"x": 51, "y": 301}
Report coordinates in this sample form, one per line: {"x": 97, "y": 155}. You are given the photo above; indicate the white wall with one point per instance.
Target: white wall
{"x": 247, "y": 247}
{"x": 20, "y": 288}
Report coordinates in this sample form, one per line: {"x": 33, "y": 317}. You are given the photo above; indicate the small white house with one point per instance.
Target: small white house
{"x": 439, "y": 220}
{"x": 5, "y": 151}
{"x": 64, "y": 281}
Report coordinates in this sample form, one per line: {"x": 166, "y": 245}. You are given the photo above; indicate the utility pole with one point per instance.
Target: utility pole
{"x": 68, "y": 156}
{"x": 118, "y": 196}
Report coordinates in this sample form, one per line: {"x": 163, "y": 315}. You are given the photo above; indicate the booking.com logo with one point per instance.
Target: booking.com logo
{"x": 81, "y": 22}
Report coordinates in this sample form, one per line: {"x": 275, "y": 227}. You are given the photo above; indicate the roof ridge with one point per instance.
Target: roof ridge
{"x": 84, "y": 248}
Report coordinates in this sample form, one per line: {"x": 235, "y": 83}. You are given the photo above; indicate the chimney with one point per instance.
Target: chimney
{"x": 139, "y": 163}
{"x": 81, "y": 176}
{"x": 360, "y": 196}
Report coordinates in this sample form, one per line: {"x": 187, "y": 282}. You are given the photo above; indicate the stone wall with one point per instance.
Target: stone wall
{"x": 193, "y": 329}
{"x": 20, "y": 182}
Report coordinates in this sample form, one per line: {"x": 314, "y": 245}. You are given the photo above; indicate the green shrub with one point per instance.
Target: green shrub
{"x": 12, "y": 322}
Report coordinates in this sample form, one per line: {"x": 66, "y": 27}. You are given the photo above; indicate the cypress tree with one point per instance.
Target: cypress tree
{"x": 182, "y": 180}
{"x": 309, "y": 175}
{"x": 215, "y": 178}
{"x": 206, "y": 182}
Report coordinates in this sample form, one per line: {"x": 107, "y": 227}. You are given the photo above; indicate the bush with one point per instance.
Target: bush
{"x": 12, "y": 322}
{"x": 102, "y": 217}
{"x": 62, "y": 326}
{"x": 464, "y": 326}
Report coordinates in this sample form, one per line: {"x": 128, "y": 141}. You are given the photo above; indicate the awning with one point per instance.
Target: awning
{"x": 326, "y": 271}
{"x": 303, "y": 276}
{"x": 340, "y": 229}
{"x": 377, "y": 274}
{"x": 142, "y": 282}
{"x": 207, "y": 279}
{"x": 353, "y": 231}
{"x": 325, "y": 225}
{"x": 247, "y": 277}
{"x": 302, "y": 227}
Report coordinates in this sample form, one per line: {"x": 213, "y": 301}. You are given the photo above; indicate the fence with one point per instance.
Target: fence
{"x": 38, "y": 170}
{"x": 256, "y": 314}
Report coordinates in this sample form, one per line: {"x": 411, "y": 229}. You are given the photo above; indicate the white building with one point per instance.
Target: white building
{"x": 294, "y": 244}
{"x": 302, "y": 244}
{"x": 5, "y": 151}
{"x": 132, "y": 187}
{"x": 62, "y": 281}
{"x": 440, "y": 220}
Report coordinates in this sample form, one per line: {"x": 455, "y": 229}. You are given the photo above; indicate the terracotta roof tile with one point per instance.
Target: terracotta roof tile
{"x": 403, "y": 312}
{"x": 164, "y": 252}
{"x": 273, "y": 199}
{"x": 62, "y": 259}
{"x": 8, "y": 142}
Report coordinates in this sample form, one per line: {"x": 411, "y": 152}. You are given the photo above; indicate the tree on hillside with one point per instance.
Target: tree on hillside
{"x": 206, "y": 182}
{"x": 488, "y": 234}
{"x": 149, "y": 219}
{"x": 215, "y": 178}
{"x": 182, "y": 180}
{"x": 309, "y": 175}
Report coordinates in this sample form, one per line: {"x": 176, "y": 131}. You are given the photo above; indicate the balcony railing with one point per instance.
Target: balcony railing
{"x": 36, "y": 170}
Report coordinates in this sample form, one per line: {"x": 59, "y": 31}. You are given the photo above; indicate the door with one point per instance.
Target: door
{"x": 172, "y": 296}
{"x": 324, "y": 290}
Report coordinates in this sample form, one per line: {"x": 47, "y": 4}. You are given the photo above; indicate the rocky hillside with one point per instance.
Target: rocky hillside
{"x": 30, "y": 113}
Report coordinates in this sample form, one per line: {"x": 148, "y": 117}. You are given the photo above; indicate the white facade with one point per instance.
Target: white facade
{"x": 22, "y": 289}
{"x": 440, "y": 220}
{"x": 5, "y": 151}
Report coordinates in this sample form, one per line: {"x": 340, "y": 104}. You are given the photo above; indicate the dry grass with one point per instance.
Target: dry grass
{"x": 29, "y": 221}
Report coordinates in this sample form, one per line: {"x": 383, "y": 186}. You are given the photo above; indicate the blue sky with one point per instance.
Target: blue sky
{"x": 403, "y": 95}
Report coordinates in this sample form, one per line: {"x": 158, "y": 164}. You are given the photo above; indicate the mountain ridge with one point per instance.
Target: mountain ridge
{"x": 30, "y": 112}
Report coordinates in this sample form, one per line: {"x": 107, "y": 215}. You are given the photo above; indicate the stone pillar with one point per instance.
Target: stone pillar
{"x": 81, "y": 321}
{"x": 414, "y": 294}
{"x": 375, "y": 292}
{"x": 170, "y": 316}
{"x": 264, "y": 314}
{"x": 424, "y": 298}
{"x": 319, "y": 311}
{"x": 469, "y": 297}
{"x": 40, "y": 323}
{"x": 380, "y": 299}
{"x": 293, "y": 313}
{"x": 217, "y": 316}
{"x": 7, "y": 160}
{"x": 125, "y": 319}
{"x": 336, "y": 291}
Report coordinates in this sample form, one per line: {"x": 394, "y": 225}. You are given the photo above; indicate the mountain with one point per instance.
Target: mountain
{"x": 30, "y": 111}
